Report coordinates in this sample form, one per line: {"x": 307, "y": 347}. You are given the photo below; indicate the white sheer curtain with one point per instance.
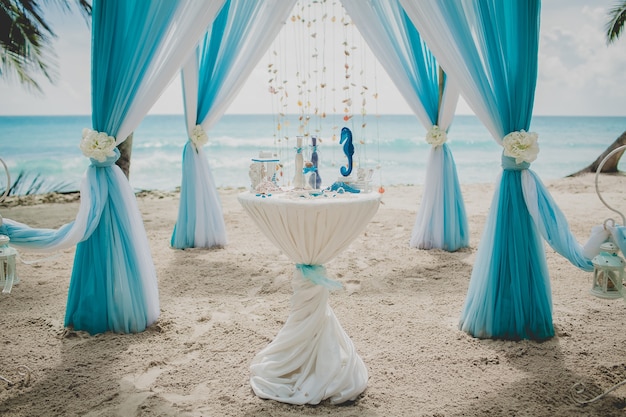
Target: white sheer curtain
{"x": 261, "y": 29}
{"x": 212, "y": 78}
{"x": 137, "y": 47}
{"x": 490, "y": 48}
{"x": 191, "y": 21}
{"x": 441, "y": 221}
{"x": 381, "y": 37}
{"x": 432, "y": 24}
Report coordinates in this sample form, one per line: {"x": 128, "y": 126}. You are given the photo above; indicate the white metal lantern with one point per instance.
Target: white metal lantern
{"x": 608, "y": 267}
{"x": 8, "y": 275}
{"x": 608, "y": 272}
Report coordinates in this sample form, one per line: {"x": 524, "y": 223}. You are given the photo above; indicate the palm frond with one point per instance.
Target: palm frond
{"x": 84, "y": 7}
{"x": 615, "y": 25}
{"x": 30, "y": 183}
{"x": 15, "y": 65}
{"x": 25, "y": 43}
{"x": 26, "y": 40}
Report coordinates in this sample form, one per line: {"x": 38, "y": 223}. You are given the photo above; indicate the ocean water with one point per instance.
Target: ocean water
{"x": 392, "y": 145}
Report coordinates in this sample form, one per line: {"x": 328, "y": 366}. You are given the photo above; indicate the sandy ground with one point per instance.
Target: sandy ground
{"x": 400, "y": 307}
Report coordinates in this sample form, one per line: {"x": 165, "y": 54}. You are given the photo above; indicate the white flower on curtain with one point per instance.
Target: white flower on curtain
{"x": 521, "y": 145}
{"x": 97, "y": 145}
{"x": 198, "y": 136}
{"x": 436, "y": 136}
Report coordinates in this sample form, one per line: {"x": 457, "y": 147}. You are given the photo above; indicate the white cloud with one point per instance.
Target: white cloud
{"x": 578, "y": 73}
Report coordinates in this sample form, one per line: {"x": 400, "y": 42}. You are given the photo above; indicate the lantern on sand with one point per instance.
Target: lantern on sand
{"x": 608, "y": 267}
{"x": 608, "y": 272}
{"x": 8, "y": 277}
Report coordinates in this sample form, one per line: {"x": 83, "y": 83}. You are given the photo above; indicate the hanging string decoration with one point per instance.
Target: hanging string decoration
{"x": 321, "y": 55}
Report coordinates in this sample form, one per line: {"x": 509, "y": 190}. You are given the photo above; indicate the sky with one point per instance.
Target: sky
{"x": 578, "y": 74}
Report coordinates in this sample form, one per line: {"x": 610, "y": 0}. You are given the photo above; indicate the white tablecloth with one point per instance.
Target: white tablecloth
{"x": 311, "y": 358}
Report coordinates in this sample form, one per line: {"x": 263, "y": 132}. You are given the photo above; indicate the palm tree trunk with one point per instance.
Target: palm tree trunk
{"x": 125, "y": 149}
{"x": 441, "y": 87}
{"x": 611, "y": 164}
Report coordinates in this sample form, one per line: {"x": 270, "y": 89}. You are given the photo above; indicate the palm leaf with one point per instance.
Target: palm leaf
{"x": 30, "y": 183}
{"x": 25, "y": 40}
{"x": 615, "y": 25}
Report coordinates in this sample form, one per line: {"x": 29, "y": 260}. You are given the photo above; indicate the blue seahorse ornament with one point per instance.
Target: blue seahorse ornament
{"x": 348, "y": 149}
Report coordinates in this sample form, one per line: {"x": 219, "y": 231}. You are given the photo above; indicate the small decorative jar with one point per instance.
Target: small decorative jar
{"x": 315, "y": 181}
{"x": 264, "y": 172}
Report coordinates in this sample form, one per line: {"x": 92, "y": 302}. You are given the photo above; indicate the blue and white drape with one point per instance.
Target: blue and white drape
{"x": 441, "y": 221}
{"x": 137, "y": 47}
{"x": 490, "y": 48}
{"x": 212, "y": 77}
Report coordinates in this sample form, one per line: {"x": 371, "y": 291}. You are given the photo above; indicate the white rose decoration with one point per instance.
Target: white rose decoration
{"x": 436, "y": 136}
{"x": 198, "y": 136}
{"x": 521, "y": 145}
{"x": 97, "y": 145}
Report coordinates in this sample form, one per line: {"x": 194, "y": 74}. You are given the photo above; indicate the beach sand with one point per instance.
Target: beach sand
{"x": 400, "y": 306}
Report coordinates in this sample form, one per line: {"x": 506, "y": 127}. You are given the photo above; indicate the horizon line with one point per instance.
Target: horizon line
{"x": 297, "y": 114}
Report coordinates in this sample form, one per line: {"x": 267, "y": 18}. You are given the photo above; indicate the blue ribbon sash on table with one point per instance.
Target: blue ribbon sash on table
{"x": 317, "y": 275}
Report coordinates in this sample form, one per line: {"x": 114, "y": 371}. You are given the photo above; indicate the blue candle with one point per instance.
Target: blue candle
{"x": 315, "y": 180}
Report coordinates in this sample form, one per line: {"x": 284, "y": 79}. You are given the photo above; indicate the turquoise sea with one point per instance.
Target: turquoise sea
{"x": 393, "y": 145}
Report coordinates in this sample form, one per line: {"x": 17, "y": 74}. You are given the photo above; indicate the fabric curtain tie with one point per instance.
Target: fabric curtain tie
{"x": 436, "y": 137}
{"x": 520, "y": 149}
{"x": 198, "y": 137}
{"x": 99, "y": 147}
{"x": 508, "y": 164}
{"x": 107, "y": 162}
{"x": 317, "y": 275}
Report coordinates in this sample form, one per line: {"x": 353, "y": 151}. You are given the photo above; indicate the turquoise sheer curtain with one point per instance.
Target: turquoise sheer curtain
{"x": 117, "y": 68}
{"x": 441, "y": 220}
{"x": 490, "y": 48}
{"x": 200, "y": 221}
{"x": 231, "y": 48}
{"x": 111, "y": 287}
{"x": 48, "y": 240}
{"x": 110, "y": 23}
{"x": 137, "y": 46}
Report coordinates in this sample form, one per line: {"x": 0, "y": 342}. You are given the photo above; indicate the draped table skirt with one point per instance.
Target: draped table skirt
{"x": 311, "y": 358}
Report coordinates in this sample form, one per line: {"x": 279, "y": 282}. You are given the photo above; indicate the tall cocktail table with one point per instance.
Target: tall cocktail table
{"x": 311, "y": 358}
